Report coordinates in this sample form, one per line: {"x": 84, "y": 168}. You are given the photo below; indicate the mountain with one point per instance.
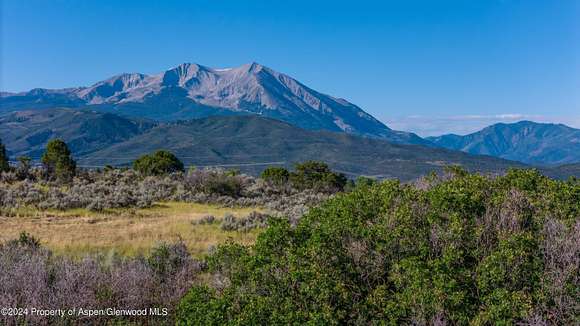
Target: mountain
{"x": 27, "y": 132}
{"x": 524, "y": 141}
{"x": 194, "y": 91}
{"x": 247, "y": 142}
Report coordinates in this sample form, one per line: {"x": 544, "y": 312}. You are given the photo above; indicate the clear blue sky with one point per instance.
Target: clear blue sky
{"x": 426, "y": 66}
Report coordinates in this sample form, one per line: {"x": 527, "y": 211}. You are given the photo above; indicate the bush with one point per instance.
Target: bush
{"x": 26, "y": 240}
{"x": 252, "y": 221}
{"x": 158, "y": 163}
{"x": 207, "y": 219}
{"x": 117, "y": 188}
{"x": 31, "y": 276}
{"x": 58, "y": 162}
{"x": 215, "y": 181}
{"x": 277, "y": 176}
{"x": 23, "y": 169}
{"x": 318, "y": 176}
{"x": 468, "y": 249}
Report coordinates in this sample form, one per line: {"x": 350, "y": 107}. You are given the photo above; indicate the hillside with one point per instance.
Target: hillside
{"x": 246, "y": 142}
{"x": 525, "y": 141}
{"x": 562, "y": 171}
{"x": 195, "y": 91}
{"x": 27, "y": 132}
{"x": 251, "y": 143}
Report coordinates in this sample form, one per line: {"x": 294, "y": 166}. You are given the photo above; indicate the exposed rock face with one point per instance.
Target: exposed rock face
{"x": 194, "y": 91}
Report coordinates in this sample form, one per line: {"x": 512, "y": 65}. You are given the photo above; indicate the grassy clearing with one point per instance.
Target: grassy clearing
{"x": 124, "y": 231}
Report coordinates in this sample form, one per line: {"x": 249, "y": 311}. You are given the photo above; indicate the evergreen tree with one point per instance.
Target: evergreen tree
{"x": 317, "y": 175}
{"x": 58, "y": 162}
{"x": 275, "y": 175}
{"x": 4, "y": 166}
{"x": 158, "y": 163}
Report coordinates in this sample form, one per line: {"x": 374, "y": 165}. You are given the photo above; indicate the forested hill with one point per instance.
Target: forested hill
{"x": 249, "y": 143}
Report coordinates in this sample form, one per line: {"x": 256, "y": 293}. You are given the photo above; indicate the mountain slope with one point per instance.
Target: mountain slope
{"x": 562, "y": 171}
{"x": 27, "y": 132}
{"x": 247, "y": 142}
{"x": 251, "y": 143}
{"x": 194, "y": 91}
{"x": 525, "y": 141}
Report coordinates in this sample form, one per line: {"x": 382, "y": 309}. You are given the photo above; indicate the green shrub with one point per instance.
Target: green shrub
{"x": 318, "y": 176}
{"x": 275, "y": 175}
{"x": 158, "y": 163}
{"x": 468, "y": 249}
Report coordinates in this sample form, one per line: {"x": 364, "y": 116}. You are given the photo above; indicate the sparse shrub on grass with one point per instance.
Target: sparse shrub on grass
{"x": 25, "y": 240}
{"x": 100, "y": 190}
{"x": 253, "y": 220}
{"x": 207, "y": 219}
{"x": 229, "y": 223}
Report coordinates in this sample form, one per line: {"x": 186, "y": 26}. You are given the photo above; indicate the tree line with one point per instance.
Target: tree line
{"x": 59, "y": 165}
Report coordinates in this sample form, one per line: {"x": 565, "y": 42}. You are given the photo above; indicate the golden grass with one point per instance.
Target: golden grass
{"x": 124, "y": 231}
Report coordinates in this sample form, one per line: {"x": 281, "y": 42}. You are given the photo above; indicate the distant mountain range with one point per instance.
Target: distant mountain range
{"x": 137, "y": 102}
{"x": 194, "y": 91}
{"x": 524, "y": 141}
{"x": 249, "y": 143}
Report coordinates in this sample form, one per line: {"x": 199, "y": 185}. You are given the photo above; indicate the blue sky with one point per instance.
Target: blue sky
{"x": 425, "y": 66}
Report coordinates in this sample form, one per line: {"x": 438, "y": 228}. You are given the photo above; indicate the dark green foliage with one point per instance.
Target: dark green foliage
{"x": 159, "y": 163}
{"x": 365, "y": 181}
{"x": 57, "y": 161}
{"x": 317, "y": 175}
{"x": 4, "y": 166}
{"x": 275, "y": 175}
{"x": 464, "y": 249}
{"x": 361, "y": 181}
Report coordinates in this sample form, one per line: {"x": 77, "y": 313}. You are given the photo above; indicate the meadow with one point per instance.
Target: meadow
{"x": 127, "y": 231}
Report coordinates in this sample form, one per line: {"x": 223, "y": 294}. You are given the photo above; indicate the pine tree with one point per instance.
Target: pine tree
{"x": 58, "y": 162}
{"x": 4, "y": 166}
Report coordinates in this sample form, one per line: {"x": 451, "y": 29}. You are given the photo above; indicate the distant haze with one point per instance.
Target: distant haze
{"x": 426, "y": 126}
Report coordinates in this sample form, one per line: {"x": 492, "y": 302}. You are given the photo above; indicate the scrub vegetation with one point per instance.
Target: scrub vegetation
{"x": 460, "y": 250}
{"x": 290, "y": 247}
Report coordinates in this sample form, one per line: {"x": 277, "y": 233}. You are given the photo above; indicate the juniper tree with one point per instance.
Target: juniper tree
{"x": 4, "y": 166}
{"x": 158, "y": 163}
{"x": 58, "y": 162}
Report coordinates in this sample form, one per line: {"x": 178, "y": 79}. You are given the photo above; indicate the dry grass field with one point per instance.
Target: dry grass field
{"x": 125, "y": 231}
